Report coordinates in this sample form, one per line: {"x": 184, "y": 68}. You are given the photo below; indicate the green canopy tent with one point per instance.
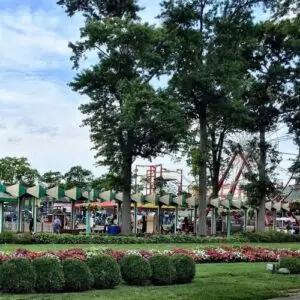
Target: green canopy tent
{"x": 90, "y": 195}
{"x": 18, "y": 191}
{"x": 4, "y": 198}
{"x": 37, "y": 192}
{"x": 135, "y": 198}
{"x": 75, "y": 194}
{"x": 179, "y": 201}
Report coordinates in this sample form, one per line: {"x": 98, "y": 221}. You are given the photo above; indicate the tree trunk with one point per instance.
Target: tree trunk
{"x": 262, "y": 181}
{"x": 126, "y": 209}
{"x": 202, "y": 172}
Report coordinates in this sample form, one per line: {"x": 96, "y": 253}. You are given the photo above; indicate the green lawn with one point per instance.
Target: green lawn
{"x": 9, "y": 247}
{"x": 213, "y": 282}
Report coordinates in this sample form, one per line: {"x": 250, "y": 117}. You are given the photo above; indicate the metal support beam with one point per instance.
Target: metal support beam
{"x": 72, "y": 214}
{"x": 195, "y": 220}
{"x": 176, "y": 219}
{"x": 19, "y": 215}
{"x": 135, "y": 217}
{"x": 213, "y": 221}
{"x": 158, "y": 218}
{"x": 34, "y": 214}
{"x": 245, "y": 219}
{"x": 1, "y": 217}
{"x": 274, "y": 213}
{"x": 228, "y": 223}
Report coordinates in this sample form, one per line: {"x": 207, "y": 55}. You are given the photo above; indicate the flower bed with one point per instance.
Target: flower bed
{"x": 222, "y": 254}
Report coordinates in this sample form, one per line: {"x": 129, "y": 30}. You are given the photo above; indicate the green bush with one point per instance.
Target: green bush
{"x": 267, "y": 237}
{"x": 78, "y": 276}
{"x": 7, "y": 237}
{"x": 17, "y": 275}
{"x": 135, "y": 270}
{"x": 49, "y": 238}
{"x": 106, "y": 271}
{"x": 50, "y": 275}
{"x": 185, "y": 268}
{"x": 291, "y": 263}
{"x": 163, "y": 270}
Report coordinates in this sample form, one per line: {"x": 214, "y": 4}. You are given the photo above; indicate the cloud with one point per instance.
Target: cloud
{"x": 14, "y": 139}
{"x": 34, "y": 39}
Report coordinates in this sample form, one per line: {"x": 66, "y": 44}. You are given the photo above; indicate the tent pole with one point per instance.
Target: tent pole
{"x": 34, "y": 214}
{"x": 1, "y": 217}
{"x": 135, "y": 217}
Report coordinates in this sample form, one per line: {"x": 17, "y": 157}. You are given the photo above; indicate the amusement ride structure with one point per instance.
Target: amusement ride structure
{"x": 179, "y": 195}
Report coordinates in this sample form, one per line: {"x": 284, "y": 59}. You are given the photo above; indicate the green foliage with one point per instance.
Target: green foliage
{"x": 50, "y": 275}
{"x": 52, "y": 178}
{"x": 127, "y": 117}
{"x": 7, "y": 237}
{"x": 79, "y": 177}
{"x": 105, "y": 270}
{"x": 111, "y": 8}
{"x": 291, "y": 263}
{"x": 109, "y": 181}
{"x": 135, "y": 270}
{"x": 17, "y": 170}
{"x": 185, "y": 268}
{"x": 163, "y": 270}
{"x": 268, "y": 237}
{"x": 78, "y": 276}
{"x": 17, "y": 276}
{"x": 48, "y": 238}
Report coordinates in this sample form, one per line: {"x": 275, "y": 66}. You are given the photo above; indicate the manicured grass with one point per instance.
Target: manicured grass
{"x": 33, "y": 247}
{"x": 213, "y": 281}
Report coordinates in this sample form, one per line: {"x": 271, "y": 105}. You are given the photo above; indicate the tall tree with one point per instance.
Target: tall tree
{"x": 272, "y": 70}
{"x": 109, "y": 181}
{"x": 128, "y": 118}
{"x": 79, "y": 177}
{"x": 52, "y": 178}
{"x": 17, "y": 170}
{"x": 206, "y": 63}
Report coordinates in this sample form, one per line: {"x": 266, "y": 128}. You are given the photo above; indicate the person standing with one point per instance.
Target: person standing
{"x": 30, "y": 224}
{"x": 144, "y": 224}
{"x": 56, "y": 225}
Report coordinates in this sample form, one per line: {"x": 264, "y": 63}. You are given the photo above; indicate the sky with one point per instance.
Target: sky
{"x": 39, "y": 113}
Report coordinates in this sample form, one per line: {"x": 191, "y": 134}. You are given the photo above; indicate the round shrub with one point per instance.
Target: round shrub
{"x": 106, "y": 271}
{"x": 291, "y": 263}
{"x": 135, "y": 270}
{"x": 50, "y": 275}
{"x": 78, "y": 276}
{"x": 17, "y": 276}
{"x": 185, "y": 268}
{"x": 163, "y": 270}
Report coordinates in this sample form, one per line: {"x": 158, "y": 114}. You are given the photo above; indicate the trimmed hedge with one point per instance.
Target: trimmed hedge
{"x": 15, "y": 238}
{"x": 106, "y": 271}
{"x": 291, "y": 263}
{"x": 50, "y": 275}
{"x": 185, "y": 268}
{"x": 163, "y": 270}
{"x": 135, "y": 270}
{"x": 17, "y": 276}
{"x": 78, "y": 275}
{"x": 49, "y": 238}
